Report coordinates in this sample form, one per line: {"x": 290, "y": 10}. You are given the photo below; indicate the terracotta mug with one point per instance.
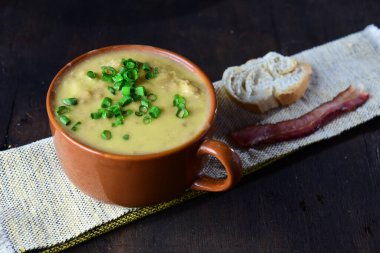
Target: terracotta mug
{"x": 140, "y": 180}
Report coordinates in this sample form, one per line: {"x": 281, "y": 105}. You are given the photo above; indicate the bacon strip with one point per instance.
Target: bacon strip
{"x": 347, "y": 100}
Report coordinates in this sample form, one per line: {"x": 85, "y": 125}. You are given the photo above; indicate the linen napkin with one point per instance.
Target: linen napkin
{"x": 41, "y": 210}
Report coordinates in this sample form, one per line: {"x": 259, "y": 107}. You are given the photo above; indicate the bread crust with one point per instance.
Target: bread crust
{"x": 284, "y": 98}
{"x": 296, "y": 91}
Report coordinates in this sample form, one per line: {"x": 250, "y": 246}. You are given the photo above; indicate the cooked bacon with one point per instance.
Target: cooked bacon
{"x": 347, "y": 100}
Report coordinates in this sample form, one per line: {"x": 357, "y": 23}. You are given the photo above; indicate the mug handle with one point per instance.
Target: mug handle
{"x": 230, "y": 161}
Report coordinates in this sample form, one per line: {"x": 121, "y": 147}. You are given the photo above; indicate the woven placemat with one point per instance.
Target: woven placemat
{"x": 41, "y": 210}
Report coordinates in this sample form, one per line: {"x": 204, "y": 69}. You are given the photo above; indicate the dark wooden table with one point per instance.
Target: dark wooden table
{"x": 324, "y": 198}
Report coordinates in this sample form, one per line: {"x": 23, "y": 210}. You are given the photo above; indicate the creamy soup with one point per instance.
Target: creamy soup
{"x": 111, "y": 122}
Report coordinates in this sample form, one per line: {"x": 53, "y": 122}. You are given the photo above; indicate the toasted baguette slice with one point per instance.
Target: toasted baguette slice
{"x": 268, "y": 82}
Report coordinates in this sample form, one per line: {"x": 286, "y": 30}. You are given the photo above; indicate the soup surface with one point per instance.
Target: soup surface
{"x": 132, "y": 120}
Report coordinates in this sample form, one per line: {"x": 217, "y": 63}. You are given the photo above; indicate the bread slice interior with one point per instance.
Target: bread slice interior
{"x": 268, "y": 82}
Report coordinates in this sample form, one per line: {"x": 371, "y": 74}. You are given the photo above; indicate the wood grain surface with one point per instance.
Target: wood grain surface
{"x": 324, "y": 198}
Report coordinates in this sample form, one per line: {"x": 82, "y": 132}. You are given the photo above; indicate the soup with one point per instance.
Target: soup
{"x": 131, "y": 102}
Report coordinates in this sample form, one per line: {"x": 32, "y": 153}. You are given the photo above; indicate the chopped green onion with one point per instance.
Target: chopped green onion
{"x": 155, "y": 112}
{"x": 65, "y": 120}
{"x": 136, "y": 97}
{"x": 118, "y": 85}
{"x": 119, "y": 121}
{"x": 152, "y": 97}
{"x": 151, "y": 75}
{"x": 108, "y": 70}
{"x": 126, "y": 137}
{"x": 180, "y": 103}
{"x": 122, "y": 70}
{"x": 107, "y": 78}
{"x": 106, "y": 114}
{"x": 182, "y": 113}
{"x": 181, "y": 106}
{"x": 118, "y": 78}
{"x": 131, "y": 74}
{"x": 91, "y": 74}
{"x": 129, "y": 83}
{"x": 145, "y": 102}
{"x": 178, "y": 100}
{"x": 115, "y": 109}
{"x": 143, "y": 109}
{"x": 106, "y": 102}
{"x": 129, "y": 64}
{"x": 124, "y": 80}
{"x": 96, "y": 115}
{"x": 126, "y": 100}
{"x": 106, "y": 135}
{"x": 70, "y": 101}
{"x": 107, "y": 73}
{"x": 145, "y": 67}
{"x": 111, "y": 89}
{"x": 75, "y": 127}
{"x": 126, "y": 90}
{"x": 140, "y": 91}
{"x": 62, "y": 110}
{"x": 128, "y": 112}
{"x": 147, "y": 119}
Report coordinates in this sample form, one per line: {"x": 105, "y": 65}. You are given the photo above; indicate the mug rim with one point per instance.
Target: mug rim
{"x": 145, "y": 48}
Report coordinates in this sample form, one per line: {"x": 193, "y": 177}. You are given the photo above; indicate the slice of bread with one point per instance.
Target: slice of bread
{"x": 268, "y": 82}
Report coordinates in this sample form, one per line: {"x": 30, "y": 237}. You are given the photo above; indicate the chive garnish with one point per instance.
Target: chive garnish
{"x": 111, "y": 89}
{"x": 126, "y": 91}
{"x": 127, "y": 112}
{"x": 91, "y": 74}
{"x": 106, "y": 102}
{"x": 147, "y": 119}
{"x": 151, "y": 74}
{"x": 106, "y": 135}
{"x": 145, "y": 67}
{"x": 75, "y": 127}
{"x": 117, "y": 78}
{"x": 126, "y": 137}
{"x": 65, "y": 120}
{"x": 155, "y": 112}
{"x": 106, "y": 114}
{"x": 136, "y": 97}
{"x": 70, "y": 101}
{"x": 124, "y": 80}
{"x": 129, "y": 64}
{"x": 143, "y": 109}
{"x": 140, "y": 91}
{"x": 131, "y": 74}
{"x": 180, "y": 103}
{"x": 108, "y": 73}
{"x": 126, "y": 100}
{"x": 118, "y": 85}
{"x": 96, "y": 115}
{"x": 108, "y": 70}
{"x": 152, "y": 97}
{"x": 145, "y": 102}
{"x": 119, "y": 121}
{"x": 107, "y": 78}
{"x": 182, "y": 113}
{"x": 122, "y": 70}
{"x": 62, "y": 110}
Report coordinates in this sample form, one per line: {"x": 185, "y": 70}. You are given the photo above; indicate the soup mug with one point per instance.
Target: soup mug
{"x": 146, "y": 179}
